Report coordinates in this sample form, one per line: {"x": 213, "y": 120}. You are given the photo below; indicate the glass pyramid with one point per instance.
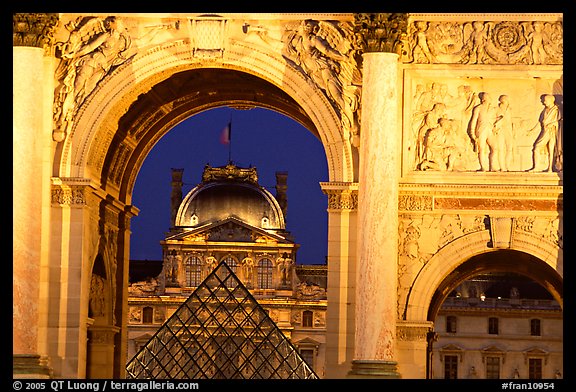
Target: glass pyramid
{"x": 219, "y": 332}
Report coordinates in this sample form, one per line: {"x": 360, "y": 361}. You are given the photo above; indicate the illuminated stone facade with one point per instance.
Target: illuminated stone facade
{"x": 442, "y": 135}
{"x": 230, "y": 217}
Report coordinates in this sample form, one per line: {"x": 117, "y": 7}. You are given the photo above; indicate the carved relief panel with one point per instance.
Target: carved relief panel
{"x": 473, "y": 120}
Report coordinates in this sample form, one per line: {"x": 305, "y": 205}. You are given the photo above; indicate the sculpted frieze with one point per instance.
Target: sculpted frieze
{"x": 481, "y": 123}
{"x": 484, "y": 42}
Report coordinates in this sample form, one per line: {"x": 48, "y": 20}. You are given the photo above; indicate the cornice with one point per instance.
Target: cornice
{"x": 483, "y": 190}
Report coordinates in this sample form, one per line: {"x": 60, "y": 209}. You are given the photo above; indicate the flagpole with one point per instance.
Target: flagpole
{"x": 230, "y": 140}
{"x": 230, "y": 143}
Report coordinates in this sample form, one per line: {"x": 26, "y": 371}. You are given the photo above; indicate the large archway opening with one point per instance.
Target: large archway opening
{"x": 503, "y": 260}
{"x": 497, "y": 315}
{"x": 261, "y": 138}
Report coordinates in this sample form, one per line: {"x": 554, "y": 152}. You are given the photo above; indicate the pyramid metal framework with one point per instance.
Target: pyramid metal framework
{"x": 219, "y": 332}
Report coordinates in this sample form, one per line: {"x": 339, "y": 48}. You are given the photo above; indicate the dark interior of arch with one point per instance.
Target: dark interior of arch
{"x": 504, "y": 267}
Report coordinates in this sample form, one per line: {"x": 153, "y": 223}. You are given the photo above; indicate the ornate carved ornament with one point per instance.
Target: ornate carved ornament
{"x": 382, "y": 32}
{"x": 415, "y": 202}
{"x": 484, "y": 42}
{"x": 68, "y": 195}
{"x": 445, "y": 203}
{"x": 33, "y": 29}
{"x": 230, "y": 172}
{"x": 412, "y": 333}
{"x": 327, "y": 53}
{"x": 342, "y": 199}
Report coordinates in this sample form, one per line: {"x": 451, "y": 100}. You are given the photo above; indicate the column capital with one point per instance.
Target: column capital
{"x": 381, "y": 32}
{"x": 33, "y": 29}
{"x": 341, "y": 195}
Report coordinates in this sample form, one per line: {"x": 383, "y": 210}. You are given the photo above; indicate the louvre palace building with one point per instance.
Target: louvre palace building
{"x": 443, "y": 138}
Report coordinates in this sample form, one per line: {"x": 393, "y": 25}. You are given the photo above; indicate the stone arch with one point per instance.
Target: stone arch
{"x": 99, "y": 139}
{"x": 433, "y": 282}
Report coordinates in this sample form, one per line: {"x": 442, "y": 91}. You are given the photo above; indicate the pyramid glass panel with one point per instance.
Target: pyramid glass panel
{"x": 219, "y": 332}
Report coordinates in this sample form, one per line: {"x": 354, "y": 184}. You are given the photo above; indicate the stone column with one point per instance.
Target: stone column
{"x": 30, "y": 188}
{"x": 377, "y": 253}
{"x": 340, "y": 325}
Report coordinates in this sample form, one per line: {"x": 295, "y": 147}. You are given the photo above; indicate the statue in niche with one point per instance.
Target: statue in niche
{"x": 514, "y": 292}
{"x": 481, "y": 128}
{"x": 549, "y": 123}
{"x": 248, "y": 264}
{"x": 284, "y": 265}
{"x": 97, "y": 295}
{"x": 211, "y": 263}
{"x": 171, "y": 268}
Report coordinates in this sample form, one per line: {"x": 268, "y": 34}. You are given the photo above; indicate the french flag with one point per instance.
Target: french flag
{"x": 226, "y": 135}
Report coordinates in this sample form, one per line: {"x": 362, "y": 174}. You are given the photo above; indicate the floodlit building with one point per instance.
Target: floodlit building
{"x": 498, "y": 326}
{"x": 442, "y": 134}
{"x": 230, "y": 218}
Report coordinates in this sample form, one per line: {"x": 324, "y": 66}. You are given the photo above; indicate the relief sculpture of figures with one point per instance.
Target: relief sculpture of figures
{"x": 94, "y": 47}
{"x": 503, "y": 154}
{"x": 483, "y": 42}
{"x": 481, "y": 126}
{"x": 547, "y": 139}
{"x": 469, "y": 131}
{"x": 325, "y": 53}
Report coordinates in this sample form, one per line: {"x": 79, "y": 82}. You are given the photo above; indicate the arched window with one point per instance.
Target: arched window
{"x": 233, "y": 264}
{"x": 147, "y": 315}
{"x": 193, "y": 271}
{"x": 265, "y": 274}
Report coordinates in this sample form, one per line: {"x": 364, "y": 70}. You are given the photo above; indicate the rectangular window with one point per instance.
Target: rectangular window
{"x": 535, "y": 327}
{"x": 307, "y": 318}
{"x": 493, "y": 367}
{"x": 451, "y": 324}
{"x": 308, "y": 356}
{"x": 493, "y": 325}
{"x": 451, "y": 367}
{"x": 535, "y": 368}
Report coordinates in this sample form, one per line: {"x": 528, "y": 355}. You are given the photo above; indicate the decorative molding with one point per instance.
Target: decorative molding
{"x": 33, "y": 29}
{"x": 485, "y": 42}
{"x": 415, "y": 203}
{"x": 68, "y": 194}
{"x": 499, "y": 204}
{"x": 381, "y": 32}
{"x": 341, "y": 195}
{"x": 412, "y": 331}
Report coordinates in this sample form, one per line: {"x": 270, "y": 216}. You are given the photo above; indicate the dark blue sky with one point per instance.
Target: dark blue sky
{"x": 262, "y": 138}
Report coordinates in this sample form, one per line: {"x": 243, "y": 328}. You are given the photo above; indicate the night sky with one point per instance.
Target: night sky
{"x": 261, "y": 138}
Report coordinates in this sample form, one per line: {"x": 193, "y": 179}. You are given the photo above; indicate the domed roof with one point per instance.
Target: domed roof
{"x": 230, "y": 191}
